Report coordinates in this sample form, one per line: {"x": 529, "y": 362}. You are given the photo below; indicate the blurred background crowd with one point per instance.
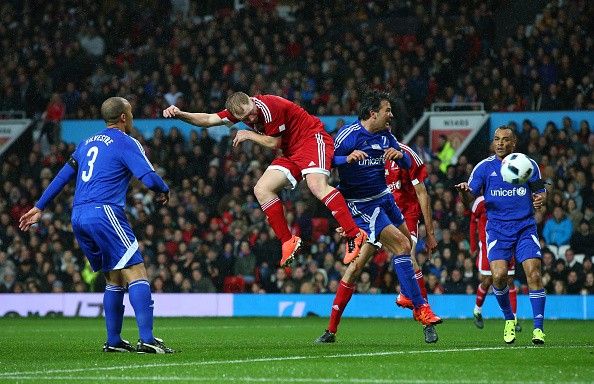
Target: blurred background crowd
{"x": 61, "y": 59}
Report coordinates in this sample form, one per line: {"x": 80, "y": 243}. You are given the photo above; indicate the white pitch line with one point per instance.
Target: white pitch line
{"x": 191, "y": 327}
{"x": 283, "y": 358}
{"x": 219, "y": 379}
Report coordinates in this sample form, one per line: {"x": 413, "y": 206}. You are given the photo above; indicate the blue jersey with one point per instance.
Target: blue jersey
{"x": 504, "y": 201}
{"x": 366, "y": 178}
{"x": 106, "y": 163}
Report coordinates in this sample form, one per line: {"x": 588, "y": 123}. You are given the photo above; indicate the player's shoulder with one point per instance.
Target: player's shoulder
{"x": 271, "y": 101}
{"x": 347, "y": 131}
{"x": 486, "y": 162}
{"x": 413, "y": 155}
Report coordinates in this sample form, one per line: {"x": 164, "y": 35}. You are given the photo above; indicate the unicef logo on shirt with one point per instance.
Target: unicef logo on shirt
{"x": 501, "y": 192}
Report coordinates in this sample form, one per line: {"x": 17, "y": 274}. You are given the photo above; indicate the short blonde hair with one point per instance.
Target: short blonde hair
{"x": 237, "y": 103}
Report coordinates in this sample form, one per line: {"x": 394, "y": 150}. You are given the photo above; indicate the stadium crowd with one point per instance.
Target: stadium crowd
{"x": 212, "y": 237}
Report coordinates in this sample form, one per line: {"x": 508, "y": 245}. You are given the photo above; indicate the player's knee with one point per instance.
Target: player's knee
{"x": 261, "y": 192}
{"x": 534, "y": 277}
{"x": 404, "y": 245}
{"x": 317, "y": 187}
{"x": 499, "y": 279}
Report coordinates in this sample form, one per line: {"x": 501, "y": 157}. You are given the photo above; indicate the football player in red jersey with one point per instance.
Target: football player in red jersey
{"x": 478, "y": 223}
{"x": 307, "y": 151}
{"x": 408, "y": 188}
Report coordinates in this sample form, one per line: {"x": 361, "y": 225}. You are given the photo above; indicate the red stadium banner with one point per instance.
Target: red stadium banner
{"x": 456, "y": 127}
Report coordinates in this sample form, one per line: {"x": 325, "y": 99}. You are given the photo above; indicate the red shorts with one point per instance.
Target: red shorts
{"x": 315, "y": 156}
{"x": 412, "y": 223}
{"x": 482, "y": 262}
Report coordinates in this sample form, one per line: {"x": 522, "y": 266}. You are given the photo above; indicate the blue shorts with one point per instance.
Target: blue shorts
{"x": 375, "y": 215}
{"x": 506, "y": 238}
{"x": 105, "y": 237}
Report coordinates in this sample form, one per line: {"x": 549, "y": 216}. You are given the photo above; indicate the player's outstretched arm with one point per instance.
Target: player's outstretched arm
{"x": 466, "y": 193}
{"x": 198, "y": 118}
{"x": 65, "y": 174}
{"x": 265, "y": 141}
{"x": 356, "y": 155}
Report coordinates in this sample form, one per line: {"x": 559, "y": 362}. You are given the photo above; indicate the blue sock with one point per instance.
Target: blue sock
{"x": 140, "y": 298}
{"x": 537, "y": 299}
{"x": 113, "y": 299}
{"x": 502, "y": 297}
{"x": 406, "y": 275}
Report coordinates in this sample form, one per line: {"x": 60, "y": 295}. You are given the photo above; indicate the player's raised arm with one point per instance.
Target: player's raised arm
{"x": 199, "y": 119}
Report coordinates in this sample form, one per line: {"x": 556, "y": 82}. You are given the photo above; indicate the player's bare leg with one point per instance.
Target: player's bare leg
{"x": 537, "y": 297}
{"x": 501, "y": 291}
{"x": 346, "y": 288}
{"x": 266, "y": 191}
{"x": 333, "y": 199}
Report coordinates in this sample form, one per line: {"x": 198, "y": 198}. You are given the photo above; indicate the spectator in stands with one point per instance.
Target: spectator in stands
{"x": 445, "y": 153}
{"x": 200, "y": 284}
{"x": 557, "y": 230}
{"x": 52, "y": 118}
{"x": 422, "y": 149}
{"x": 582, "y": 241}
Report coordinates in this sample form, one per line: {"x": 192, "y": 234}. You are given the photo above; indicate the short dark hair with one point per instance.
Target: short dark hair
{"x": 112, "y": 109}
{"x": 372, "y": 101}
{"x": 511, "y": 129}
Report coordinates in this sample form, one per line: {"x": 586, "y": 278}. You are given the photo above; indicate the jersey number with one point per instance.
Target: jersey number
{"x": 92, "y": 153}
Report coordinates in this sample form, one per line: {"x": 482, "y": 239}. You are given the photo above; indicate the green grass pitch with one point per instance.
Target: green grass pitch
{"x": 281, "y": 350}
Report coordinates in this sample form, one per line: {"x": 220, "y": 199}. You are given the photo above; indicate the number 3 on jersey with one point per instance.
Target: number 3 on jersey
{"x": 92, "y": 153}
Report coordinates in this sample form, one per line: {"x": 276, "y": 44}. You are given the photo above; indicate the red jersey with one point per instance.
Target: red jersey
{"x": 478, "y": 221}
{"x": 280, "y": 117}
{"x": 401, "y": 183}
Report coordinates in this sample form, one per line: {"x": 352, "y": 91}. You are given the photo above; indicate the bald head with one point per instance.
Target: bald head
{"x": 112, "y": 109}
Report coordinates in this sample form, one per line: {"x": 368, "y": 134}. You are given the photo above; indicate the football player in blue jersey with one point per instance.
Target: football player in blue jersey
{"x": 103, "y": 165}
{"x": 361, "y": 150}
{"x": 511, "y": 228}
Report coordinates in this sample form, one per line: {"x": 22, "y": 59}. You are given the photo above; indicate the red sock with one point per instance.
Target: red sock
{"x": 276, "y": 218}
{"x": 343, "y": 296}
{"x": 336, "y": 204}
{"x": 480, "y": 295}
{"x": 513, "y": 299}
{"x": 421, "y": 281}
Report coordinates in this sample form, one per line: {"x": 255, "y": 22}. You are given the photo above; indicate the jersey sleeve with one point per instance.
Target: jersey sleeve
{"x": 536, "y": 176}
{"x": 476, "y": 181}
{"x": 227, "y": 117}
{"x": 135, "y": 159}
{"x": 417, "y": 171}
